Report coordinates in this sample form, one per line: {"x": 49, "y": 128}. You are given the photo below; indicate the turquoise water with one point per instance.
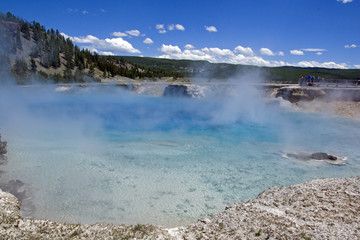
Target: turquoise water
{"x": 100, "y": 154}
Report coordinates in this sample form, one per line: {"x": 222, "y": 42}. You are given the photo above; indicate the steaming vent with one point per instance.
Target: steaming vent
{"x": 62, "y": 88}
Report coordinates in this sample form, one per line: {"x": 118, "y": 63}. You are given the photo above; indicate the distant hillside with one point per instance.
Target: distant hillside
{"x": 28, "y": 50}
{"x": 291, "y": 74}
{"x": 223, "y": 70}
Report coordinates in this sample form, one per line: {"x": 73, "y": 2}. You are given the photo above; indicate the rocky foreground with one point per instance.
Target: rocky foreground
{"x": 318, "y": 209}
{"x": 339, "y": 101}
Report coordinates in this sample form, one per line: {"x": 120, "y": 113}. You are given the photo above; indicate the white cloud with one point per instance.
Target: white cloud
{"x": 313, "y": 49}
{"x": 180, "y": 27}
{"x": 219, "y": 52}
{"x": 212, "y": 55}
{"x": 210, "y": 28}
{"x": 246, "y": 51}
{"x": 322, "y": 65}
{"x": 104, "y": 45}
{"x": 252, "y": 60}
{"x": 70, "y": 10}
{"x": 87, "y": 39}
{"x": 148, "y": 41}
{"x": 119, "y": 34}
{"x": 351, "y": 46}
{"x": 267, "y": 52}
{"x": 85, "y": 12}
{"x": 344, "y": 1}
{"x": 170, "y": 49}
{"x": 65, "y": 36}
{"x": 117, "y": 44}
{"x": 281, "y": 53}
{"x": 297, "y": 52}
{"x": 189, "y": 46}
{"x": 160, "y": 28}
{"x": 107, "y": 53}
{"x": 240, "y": 55}
{"x": 134, "y": 33}
{"x": 217, "y": 55}
{"x": 319, "y": 51}
{"x": 171, "y": 27}
{"x": 357, "y": 66}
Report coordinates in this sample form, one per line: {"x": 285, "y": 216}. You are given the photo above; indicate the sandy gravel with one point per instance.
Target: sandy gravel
{"x": 341, "y": 108}
{"x": 316, "y": 100}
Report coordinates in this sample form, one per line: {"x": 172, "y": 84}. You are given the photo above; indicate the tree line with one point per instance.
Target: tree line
{"x": 52, "y": 51}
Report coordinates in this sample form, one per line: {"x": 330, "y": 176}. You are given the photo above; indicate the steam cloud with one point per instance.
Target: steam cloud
{"x": 35, "y": 109}
{"x": 108, "y": 134}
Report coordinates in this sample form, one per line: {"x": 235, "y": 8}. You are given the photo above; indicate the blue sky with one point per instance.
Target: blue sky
{"x": 306, "y": 33}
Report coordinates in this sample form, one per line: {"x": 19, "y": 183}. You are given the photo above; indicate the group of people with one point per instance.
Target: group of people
{"x": 309, "y": 80}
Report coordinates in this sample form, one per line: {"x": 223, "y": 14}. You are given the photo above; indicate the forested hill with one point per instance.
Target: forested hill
{"x": 28, "y": 50}
{"x": 225, "y": 71}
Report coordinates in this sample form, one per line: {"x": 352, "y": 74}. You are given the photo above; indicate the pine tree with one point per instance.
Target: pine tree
{"x": 33, "y": 66}
{"x": 78, "y": 76}
{"x": 67, "y": 75}
{"x": 57, "y": 77}
{"x": 10, "y": 17}
{"x": 69, "y": 51}
{"x": 25, "y": 29}
{"x": 20, "y": 70}
{"x": 18, "y": 40}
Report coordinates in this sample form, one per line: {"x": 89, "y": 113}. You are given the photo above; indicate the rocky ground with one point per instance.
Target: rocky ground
{"x": 338, "y": 107}
{"x": 339, "y": 101}
{"x": 318, "y": 209}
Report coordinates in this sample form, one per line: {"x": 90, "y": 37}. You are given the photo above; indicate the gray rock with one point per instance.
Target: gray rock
{"x": 191, "y": 90}
{"x": 296, "y": 94}
{"x": 176, "y": 91}
{"x": 323, "y": 156}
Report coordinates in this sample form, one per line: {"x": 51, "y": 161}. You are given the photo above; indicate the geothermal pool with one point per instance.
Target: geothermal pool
{"x": 102, "y": 154}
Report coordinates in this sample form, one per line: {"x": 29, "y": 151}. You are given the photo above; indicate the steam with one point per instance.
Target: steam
{"x": 86, "y": 115}
{"x": 141, "y": 150}
{"x": 242, "y": 100}
{"x": 80, "y": 113}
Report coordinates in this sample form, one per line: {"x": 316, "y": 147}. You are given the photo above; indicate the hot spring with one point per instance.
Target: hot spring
{"x": 102, "y": 154}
